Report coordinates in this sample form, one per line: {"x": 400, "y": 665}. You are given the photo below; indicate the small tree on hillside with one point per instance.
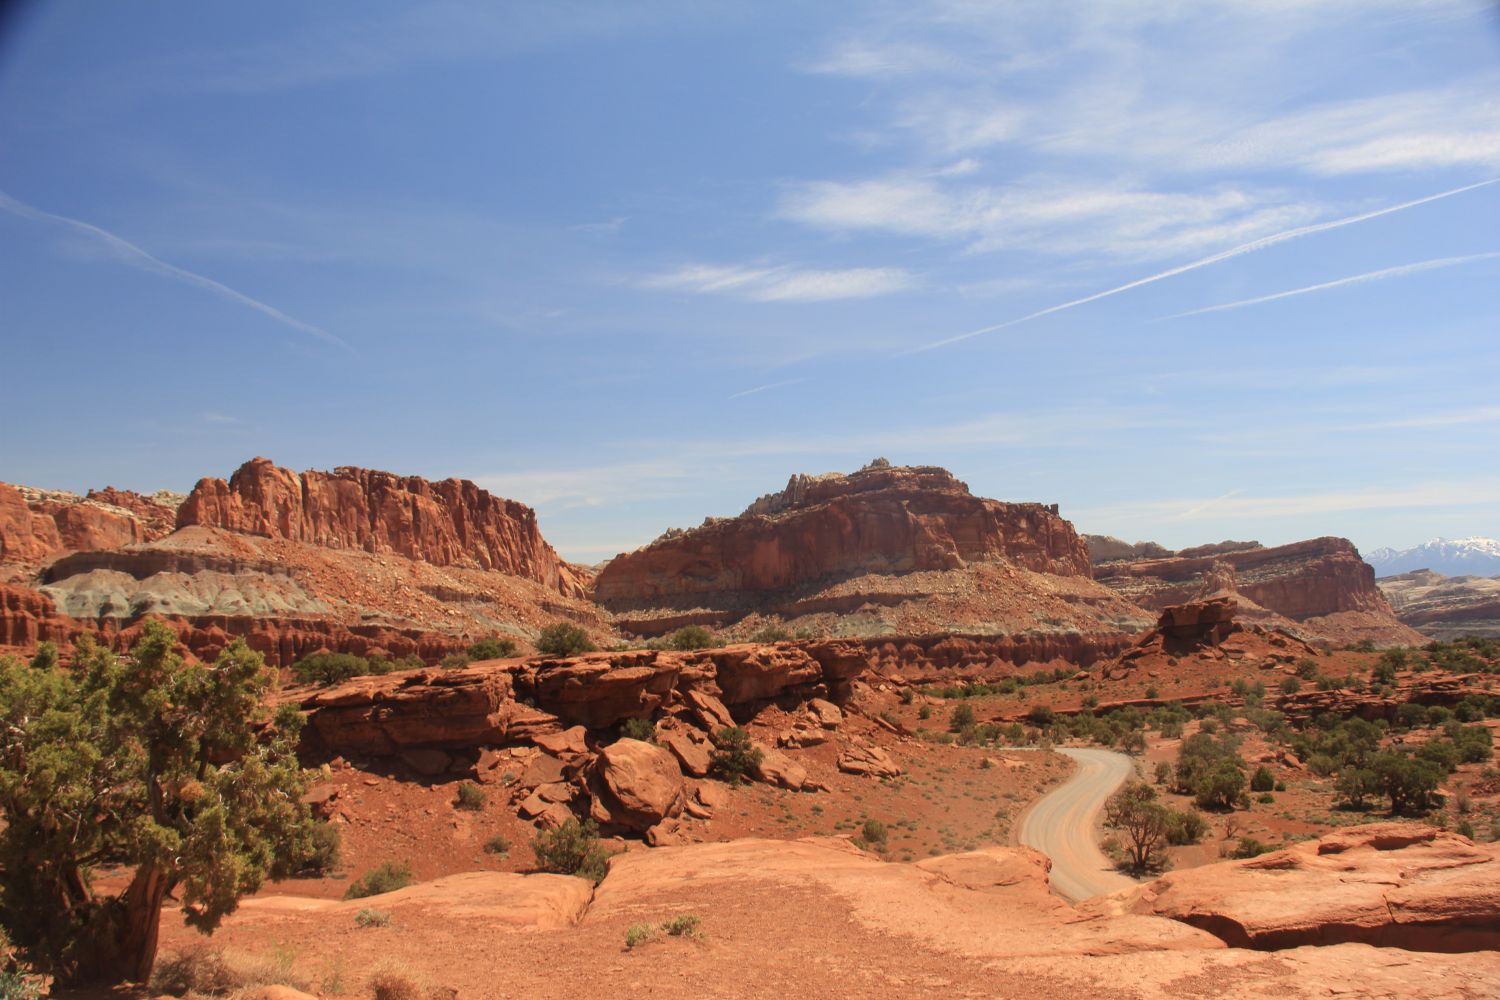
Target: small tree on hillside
{"x": 151, "y": 764}
{"x": 1144, "y": 822}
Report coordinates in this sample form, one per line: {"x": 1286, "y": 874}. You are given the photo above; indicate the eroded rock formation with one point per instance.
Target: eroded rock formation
{"x": 1445, "y": 607}
{"x": 1321, "y": 584}
{"x": 1400, "y": 885}
{"x": 447, "y": 523}
{"x": 36, "y": 524}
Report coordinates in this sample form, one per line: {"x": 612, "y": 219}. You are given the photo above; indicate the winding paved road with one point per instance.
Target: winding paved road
{"x": 1063, "y": 822}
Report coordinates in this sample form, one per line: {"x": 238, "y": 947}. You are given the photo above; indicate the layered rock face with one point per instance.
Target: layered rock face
{"x": 447, "y": 523}
{"x": 1445, "y": 607}
{"x": 877, "y": 520}
{"x": 36, "y": 524}
{"x": 1321, "y": 583}
{"x": 885, "y": 550}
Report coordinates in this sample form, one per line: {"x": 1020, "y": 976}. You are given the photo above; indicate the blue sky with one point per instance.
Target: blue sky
{"x": 636, "y": 264}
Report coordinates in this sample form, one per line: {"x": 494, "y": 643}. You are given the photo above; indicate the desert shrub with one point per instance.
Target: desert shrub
{"x": 326, "y": 849}
{"x": 691, "y": 637}
{"x": 907, "y": 696}
{"x": 370, "y": 917}
{"x": 330, "y": 668}
{"x": 874, "y": 833}
{"x": 770, "y": 633}
{"x": 470, "y": 797}
{"x": 1307, "y": 669}
{"x": 205, "y": 971}
{"x": 733, "y": 756}
{"x": 387, "y": 984}
{"x": 638, "y": 729}
{"x": 1262, "y": 780}
{"x": 454, "y": 661}
{"x": 1163, "y": 773}
{"x": 1265, "y": 798}
{"x": 1041, "y": 715}
{"x": 388, "y": 876}
{"x": 1152, "y": 692}
{"x": 1464, "y": 829}
{"x": 498, "y": 844}
{"x": 683, "y": 925}
{"x": 563, "y": 639}
{"x": 961, "y": 716}
{"x": 198, "y": 969}
{"x": 1249, "y": 847}
{"x": 495, "y": 647}
{"x": 924, "y": 712}
{"x": 1409, "y": 716}
{"x": 1290, "y": 685}
{"x": 1474, "y": 744}
{"x": 1186, "y": 827}
{"x": 638, "y": 934}
{"x": 572, "y": 849}
{"x": 1211, "y": 770}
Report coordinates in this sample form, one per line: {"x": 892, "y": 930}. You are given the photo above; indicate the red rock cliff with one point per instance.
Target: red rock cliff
{"x": 447, "y": 523}
{"x": 1321, "y": 576}
{"x": 35, "y": 524}
{"x": 880, "y": 520}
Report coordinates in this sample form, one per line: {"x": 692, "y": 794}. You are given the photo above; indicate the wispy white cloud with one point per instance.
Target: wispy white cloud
{"x": 1052, "y": 217}
{"x": 1244, "y": 248}
{"x": 133, "y": 255}
{"x": 1367, "y": 277}
{"x": 783, "y": 284}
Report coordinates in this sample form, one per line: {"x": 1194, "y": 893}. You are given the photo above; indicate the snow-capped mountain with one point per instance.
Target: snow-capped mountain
{"x": 1448, "y": 556}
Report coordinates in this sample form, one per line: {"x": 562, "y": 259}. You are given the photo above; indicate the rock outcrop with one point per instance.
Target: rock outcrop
{"x": 1321, "y": 584}
{"x": 882, "y": 551}
{"x": 1445, "y": 607}
{"x": 503, "y": 702}
{"x": 36, "y": 524}
{"x": 447, "y": 523}
{"x": 877, "y": 520}
{"x": 1392, "y": 884}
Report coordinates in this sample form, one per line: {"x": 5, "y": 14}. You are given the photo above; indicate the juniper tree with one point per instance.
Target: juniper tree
{"x": 165, "y": 768}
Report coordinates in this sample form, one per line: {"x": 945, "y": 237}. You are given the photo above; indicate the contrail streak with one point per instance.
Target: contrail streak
{"x": 763, "y": 388}
{"x": 1357, "y": 279}
{"x": 1243, "y": 248}
{"x": 132, "y": 254}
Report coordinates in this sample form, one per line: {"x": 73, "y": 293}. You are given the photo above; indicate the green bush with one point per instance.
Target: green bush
{"x": 1186, "y": 827}
{"x": 733, "y": 756}
{"x": 572, "y": 849}
{"x": 330, "y": 668}
{"x": 495, "y": 647}
{"x": 470, "y": 797}
{"x": 1290, "y": 685}
{"x": 874, "y": 833}
{"x": 370, "y": 917}
{"x": 638, "y": 729}
{"x": 327, "y": 843}
{"x": 638, "y": 934}
{"x": 563, "y": 639}
{"x": 770, "y": 633}
{"x": 498, "y": 844}
{"x": 1262, "y": 780}
{"x": 1249, "y": 847}
{"x": 961, "y": 716}
{"x": 691, "y": 637}
{"x": 454, "y": 661}
{"x": 387, "y": 877}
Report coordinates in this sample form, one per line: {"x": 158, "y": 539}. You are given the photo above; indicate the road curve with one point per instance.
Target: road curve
{"x": 1062, "y": 825}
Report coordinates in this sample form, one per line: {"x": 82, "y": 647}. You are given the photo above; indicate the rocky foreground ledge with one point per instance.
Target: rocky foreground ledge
{"x": 818, "y": 918}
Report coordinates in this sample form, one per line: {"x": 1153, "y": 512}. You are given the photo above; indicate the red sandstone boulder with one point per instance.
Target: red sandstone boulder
{"x": 1399, "y": 885}
{"x": 869, "y": 761}
{"x": 635, "y": 785}
{"x": 691, "y": 748}
{"x": 776, "y": 768}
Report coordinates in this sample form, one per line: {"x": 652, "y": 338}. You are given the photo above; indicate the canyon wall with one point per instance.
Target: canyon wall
{"x": 36, "y": 524}
{"x": 880, "y": 520}
{"x": 448, "y": 523}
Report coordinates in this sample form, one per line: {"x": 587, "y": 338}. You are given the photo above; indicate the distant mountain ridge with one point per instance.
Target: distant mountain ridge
{"x": 1475, "y": 556}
